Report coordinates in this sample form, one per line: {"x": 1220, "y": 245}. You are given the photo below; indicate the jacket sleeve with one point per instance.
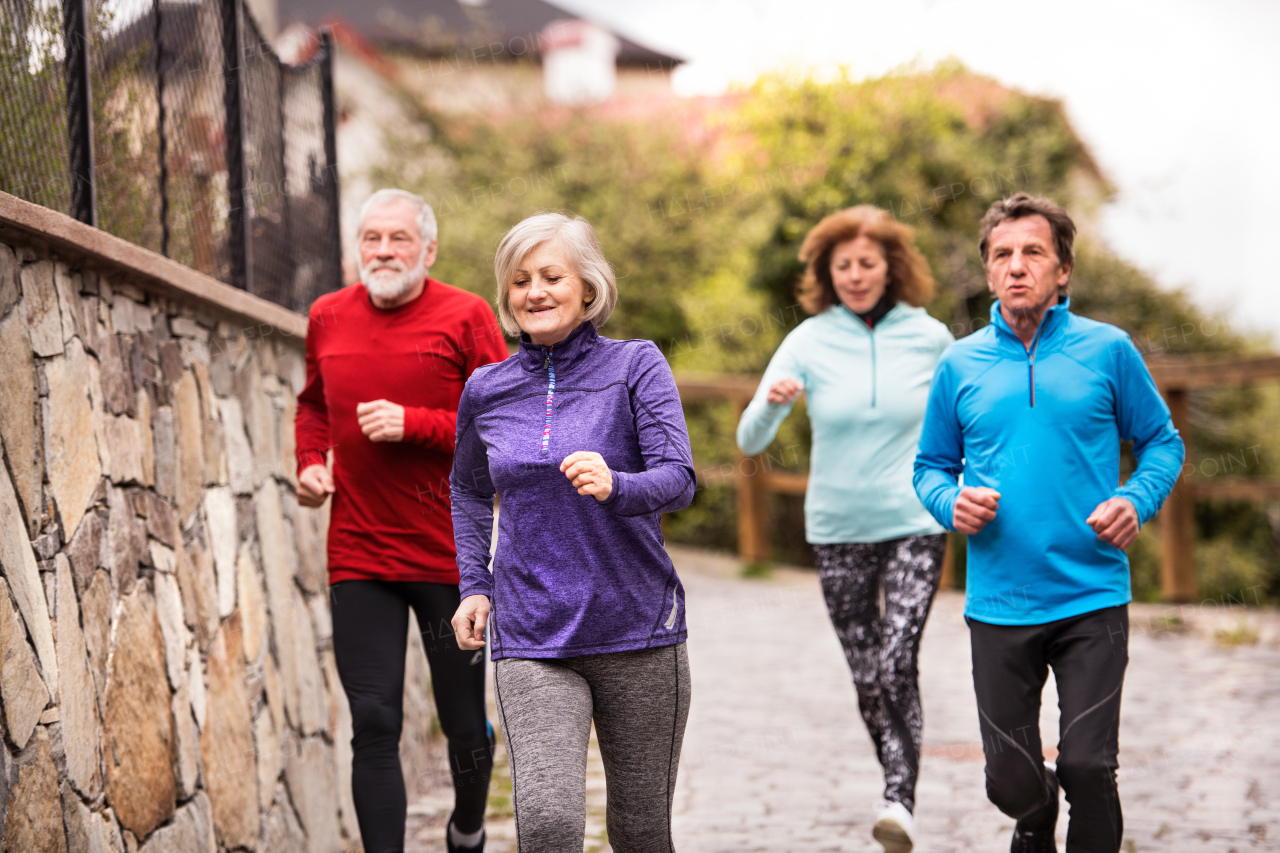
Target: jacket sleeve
{"x": 480, "y": 342}
{"x": 940, "y": 460}
{"x": 761, "y": 419}
{"x": 471, "y": 492}
{"x": 311, "y": 425}
{"x": 1143, "y": 418}
{"x": 667, "y": 483}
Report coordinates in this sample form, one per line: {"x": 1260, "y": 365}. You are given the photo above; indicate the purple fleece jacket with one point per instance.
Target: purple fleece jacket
{"x": 572, "y": 575}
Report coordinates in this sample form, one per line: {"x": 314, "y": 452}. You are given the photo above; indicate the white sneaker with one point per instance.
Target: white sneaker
{"x": 894, "y": 828}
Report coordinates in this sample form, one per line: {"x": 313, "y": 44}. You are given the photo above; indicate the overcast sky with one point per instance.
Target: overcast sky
{"x": 1179, "y": 102}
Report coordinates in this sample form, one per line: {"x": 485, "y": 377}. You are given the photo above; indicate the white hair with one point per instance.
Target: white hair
{"x": 426, "y": 217}
{"x": 579, "y": 242}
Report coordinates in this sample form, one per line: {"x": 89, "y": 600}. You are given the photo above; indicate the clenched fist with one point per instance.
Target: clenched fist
{"x": 589, "y": 474}
{"x": 381, "y": 420}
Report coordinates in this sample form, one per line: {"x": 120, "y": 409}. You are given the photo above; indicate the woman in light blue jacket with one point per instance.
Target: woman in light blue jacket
{"x": 866, "y": 359}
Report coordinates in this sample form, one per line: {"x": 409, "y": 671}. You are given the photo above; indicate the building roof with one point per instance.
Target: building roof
{"x": 498, "y": 29}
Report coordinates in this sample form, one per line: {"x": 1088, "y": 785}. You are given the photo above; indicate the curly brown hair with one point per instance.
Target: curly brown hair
{"x": 909, "y": 278}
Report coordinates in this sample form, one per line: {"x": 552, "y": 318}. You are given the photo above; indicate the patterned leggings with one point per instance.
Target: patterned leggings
{"x": 882, "y": 649}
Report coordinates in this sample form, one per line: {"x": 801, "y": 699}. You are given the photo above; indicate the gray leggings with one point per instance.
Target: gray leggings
{"x": 640, "y": 703}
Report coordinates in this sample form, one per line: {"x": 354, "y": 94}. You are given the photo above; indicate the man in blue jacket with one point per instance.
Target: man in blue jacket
{"x": 1032, "y": 410}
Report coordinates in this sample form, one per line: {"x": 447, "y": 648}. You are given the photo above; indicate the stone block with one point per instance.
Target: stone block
{"x": 124, "y": 440}
{"x": 259, "y": 414}
{"x": 78, "y": 696}
{"x": 129, "y": 316}
{"x": 96, "y": 604}
{"x": 147, "y": 444}
{"x": 190, "y": 832}
{"x": 186, "y": 747}
{"x": 71, "y": 454}
{"x": 185, "y": 327}
{"x": 308, "y": 542}
{"x": 274, "y": 692}
{"x": 189, "y": 431}
{"x": 10, "y": 291}
{"x": 34, "y": 819}
{"x": 67, "y": 285}
{"x": 138, "y": 727}
{"x": 18, "y": 413}
{"x": 82, "y": 825}
{"x": 85, "y": 550}
{"x": 161, "y": 522}
{"x": 194, "y": 569}
{"x": 25, "y": 694}
{"x": 278, "y": 569}
{"x": 213, "y": 446}
{"x": 117, "y": 379}
{"x": 313, "y": 785}
{"x": 240, "y": 466}
{"x": 253, "y": 608}
{"x": 171, "y": 365}
{"x": 164, "y": 559}
{"x": 270, "y": 757}
{"x": 220, "y": 523}
{"x": 285, "y": 418}
{"x": 312, "y": 703}
{"x": 166, "y": 452}
{"x": 321, "y": 619}
{"x": 24, "y": 579}
{"x": 126, "y": 540}
{"x": 172, "y": 628}
{"x": 340, "y": 733}
{"x": 226, "y": 742}
{"x": 40, "y": 307}
{"x": 281, "y": 832}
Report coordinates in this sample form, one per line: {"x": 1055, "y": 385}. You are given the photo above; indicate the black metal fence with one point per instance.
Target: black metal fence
{"x": 173, "y": 124}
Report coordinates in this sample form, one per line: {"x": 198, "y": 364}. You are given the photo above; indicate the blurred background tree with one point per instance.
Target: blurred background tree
{"x": 702, "y": 211}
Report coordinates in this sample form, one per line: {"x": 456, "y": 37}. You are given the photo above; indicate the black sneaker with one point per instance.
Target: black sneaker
{"x": 454, "y": 848}
{"x": 1034, "y": 833}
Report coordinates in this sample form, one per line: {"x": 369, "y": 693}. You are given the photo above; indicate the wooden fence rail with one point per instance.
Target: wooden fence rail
{"x": 755, "y": 477}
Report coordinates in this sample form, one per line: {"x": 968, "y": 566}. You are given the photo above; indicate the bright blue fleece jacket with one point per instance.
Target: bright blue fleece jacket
{"x": 1043, "y": 427}
{"x": 867, "y": 390}
{"x": 572, "y": 575}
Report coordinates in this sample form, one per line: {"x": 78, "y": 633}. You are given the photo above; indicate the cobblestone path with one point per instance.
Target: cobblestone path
{"x": 776, "y": 758}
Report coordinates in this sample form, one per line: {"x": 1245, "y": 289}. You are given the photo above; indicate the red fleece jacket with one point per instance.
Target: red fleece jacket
{"x": 390, "y": 518}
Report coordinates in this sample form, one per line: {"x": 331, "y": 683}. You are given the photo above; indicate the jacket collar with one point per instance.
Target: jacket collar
{"x": 1050, "y": 325}
{"x": 564, "y": 355}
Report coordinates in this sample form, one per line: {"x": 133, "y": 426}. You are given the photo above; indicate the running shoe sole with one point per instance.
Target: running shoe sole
{"x": 892, "y": 836}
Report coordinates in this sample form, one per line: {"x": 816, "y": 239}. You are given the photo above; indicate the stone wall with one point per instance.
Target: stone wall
{"x": 167, "y": 674}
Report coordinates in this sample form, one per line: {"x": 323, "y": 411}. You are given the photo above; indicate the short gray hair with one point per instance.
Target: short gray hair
{"x": 579, "y": 241}
{"x": 426, "y": 217}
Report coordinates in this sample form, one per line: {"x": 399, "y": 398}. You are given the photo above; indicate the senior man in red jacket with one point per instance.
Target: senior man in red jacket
{"x": 386, "y": 362}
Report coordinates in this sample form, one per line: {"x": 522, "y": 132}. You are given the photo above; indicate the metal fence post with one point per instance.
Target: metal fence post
{"x": 331, "y": 155}
{"x": 160, "y": 132}
{"x": 75, "y": 36}
{"x": 237, "y": 177}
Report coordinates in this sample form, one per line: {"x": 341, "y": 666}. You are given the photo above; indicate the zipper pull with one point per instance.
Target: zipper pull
{"x": 547, "y": 363}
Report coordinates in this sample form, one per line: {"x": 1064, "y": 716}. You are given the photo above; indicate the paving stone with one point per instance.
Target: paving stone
{"x": 281, "y": 832}
{"x": 138, "y": 726}
{"x": 126, "y": 541}
{"x": 226, "y": 742}
{"x": 78, "y": 696}
{"x": 18, "y": 410}
{"x": 85, "y": 550}
{"x": 24, "y": 579}
{"x": 34, "y": 818}
{"x": 253, "y": 610}
{"x": 189, "y": 431}
{"x": 96, "y": 605}
{"x": 40, "y": 307}
{"x": 220, "y": 522}
{"x": 166, "y": 452}
{"x": 243, "y": 475}
{"x": 25, "y": 694}
{"x": 191, "y": 831}
{"x": 313, "y": 785}
{"x": 161, "y": 522}
{"x": 71, "y": 454}
{"x": 10, "y": 290}
{"x": 172, "y": 628}
{"x": 186, "y": 746}
{"x": 270, "y": 757}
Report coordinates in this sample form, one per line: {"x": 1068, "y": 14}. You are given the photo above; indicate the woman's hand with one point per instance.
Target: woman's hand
{"x": 470, "y": 621}
{"x": 589, "y": 474}
{"x": 785, "y": 391}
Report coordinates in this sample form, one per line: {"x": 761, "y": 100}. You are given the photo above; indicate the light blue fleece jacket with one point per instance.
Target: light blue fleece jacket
{"x": 867, "y": 390}
{"x": 1043, "y": 427}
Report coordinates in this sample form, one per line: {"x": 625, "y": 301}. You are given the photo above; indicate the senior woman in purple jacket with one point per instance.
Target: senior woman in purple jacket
{"x": 584, "y": 441}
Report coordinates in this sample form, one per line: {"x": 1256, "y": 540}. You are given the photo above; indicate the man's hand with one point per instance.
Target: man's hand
{"x": 1116, "y": 522}
{"x": 470, "y": 621}
{"x": 784, "y": 391}
{"x": 589, "y": 474}
{"x": 381, "y": 420}
{"x": 315, "y": 484}
{"x": 975, "y": 508}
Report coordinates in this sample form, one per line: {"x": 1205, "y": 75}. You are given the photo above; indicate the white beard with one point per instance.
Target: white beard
{"x": 392, "y": 287}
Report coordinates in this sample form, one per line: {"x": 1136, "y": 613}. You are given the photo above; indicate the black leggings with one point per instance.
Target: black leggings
{"x": 882, "y": 648}
{"x": 1088, "y": 654}
{"x": 370, "y": 628}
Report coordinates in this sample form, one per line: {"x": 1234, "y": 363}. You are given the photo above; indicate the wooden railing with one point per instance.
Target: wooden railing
{"x": 754, "y": 477}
